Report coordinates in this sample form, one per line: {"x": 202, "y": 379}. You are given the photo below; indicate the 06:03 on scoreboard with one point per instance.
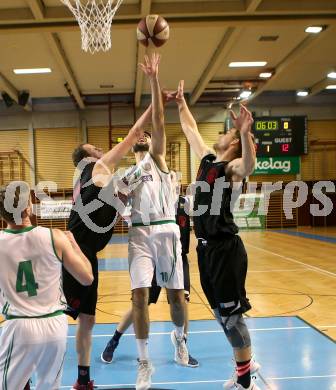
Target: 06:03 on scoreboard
{"x": 280, "y": 136}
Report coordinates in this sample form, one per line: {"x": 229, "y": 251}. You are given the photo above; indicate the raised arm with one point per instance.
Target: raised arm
{"x": 244, "y": 166}
{"x": 106, "y": 165}
{"x": 74, "y": 261}
{"x": 189, "y": 125}
{"x": 158, "y": 144}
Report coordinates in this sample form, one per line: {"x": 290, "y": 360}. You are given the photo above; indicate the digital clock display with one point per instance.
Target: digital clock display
{"x": 266, "y": 125}
{"x": 279, "y": 136}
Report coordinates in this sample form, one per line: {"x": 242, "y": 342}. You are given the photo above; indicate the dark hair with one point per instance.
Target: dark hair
{"x": 78, "y": 154}
{"x": 148, "y": 133}
{"x": 7, "y": 215}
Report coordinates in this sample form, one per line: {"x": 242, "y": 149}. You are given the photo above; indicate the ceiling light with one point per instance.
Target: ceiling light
{"x": 331, "y": 87}
{"x": 265, "y": 75}
{"x": 302, "y": 93}
{"x": 32, "y": 71}
{"x": 314, "y": 29}
{"x": 245, "y": 94}
{"x": 247, "y": 64}
{"x": 332, "y": 75}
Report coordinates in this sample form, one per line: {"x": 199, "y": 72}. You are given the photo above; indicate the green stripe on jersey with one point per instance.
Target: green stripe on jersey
{"x": 7, "y": 363}
{"x": 17, "y": 231}
{"x": 53, "y": 245}
{"x": 56, "y": 313}
{"x": 173, "y": 259}
{"x": 5, "y": 308}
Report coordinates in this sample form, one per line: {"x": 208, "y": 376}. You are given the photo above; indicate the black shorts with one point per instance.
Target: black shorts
{"x": 223, "y": 267}
{"x": 154, "y": 291}
{"x": 81, "y": 299}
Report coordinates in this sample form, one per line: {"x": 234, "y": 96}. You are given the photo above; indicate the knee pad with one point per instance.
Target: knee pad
{"x": 236, "y": 331}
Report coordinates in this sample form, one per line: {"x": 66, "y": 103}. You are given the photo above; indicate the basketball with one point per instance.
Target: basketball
{"x": 153, "y": 29}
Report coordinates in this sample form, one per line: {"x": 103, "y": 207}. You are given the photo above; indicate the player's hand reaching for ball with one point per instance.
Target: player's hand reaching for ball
{"x": 244, "y": 121}
{"x": 151, "y": 65}
{"x": 168, "y": 96}
{"x": 177, "y": 96}
{"x": 180, "y": 93}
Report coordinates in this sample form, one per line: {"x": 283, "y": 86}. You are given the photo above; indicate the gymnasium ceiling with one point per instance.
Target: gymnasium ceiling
{"x": 206, "y": 35}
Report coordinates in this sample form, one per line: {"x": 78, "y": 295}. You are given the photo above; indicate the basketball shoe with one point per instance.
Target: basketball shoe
{"x": 252, "y": 386}
{"x": 144, "y": 378}
{"x": 107, "y": 355}
{"x": 231, "y": 383}
{"x": 181, "y": 350}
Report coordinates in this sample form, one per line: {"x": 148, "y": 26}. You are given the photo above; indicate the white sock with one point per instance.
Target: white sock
{"x": 142, "y": 345}
{"x": 179, "y": 331}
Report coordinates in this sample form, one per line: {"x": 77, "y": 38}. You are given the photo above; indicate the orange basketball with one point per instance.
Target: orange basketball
{"x": 153, "y": 29}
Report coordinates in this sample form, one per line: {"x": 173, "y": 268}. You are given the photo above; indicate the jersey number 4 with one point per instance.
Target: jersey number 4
{"x": 25, "y": 272}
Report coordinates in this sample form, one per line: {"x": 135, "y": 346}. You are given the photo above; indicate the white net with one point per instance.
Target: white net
{"x": 95, "y": 20}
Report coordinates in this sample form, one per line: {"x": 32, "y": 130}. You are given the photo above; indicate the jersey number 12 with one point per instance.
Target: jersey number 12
{"x": 25, "y": 271}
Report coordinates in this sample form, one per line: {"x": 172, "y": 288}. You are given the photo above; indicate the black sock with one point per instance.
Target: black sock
{"x": 116, "y": 336}
{"x": 83, "y": 375}
{"x": 243, "y": 372}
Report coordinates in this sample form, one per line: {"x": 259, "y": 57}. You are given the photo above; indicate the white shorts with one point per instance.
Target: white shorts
{"x": 155, "y": 247}
{"x": 33, "y": 345}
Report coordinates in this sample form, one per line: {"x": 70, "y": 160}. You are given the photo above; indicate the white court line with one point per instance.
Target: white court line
{"x": 267, "y": 270}
{"x": 216, "y": 331}
{"x": 301, "y": 377}
{"x": 312, "y": 267}
{"x": 209, "y": 381}
{"x": 114, "y": 275}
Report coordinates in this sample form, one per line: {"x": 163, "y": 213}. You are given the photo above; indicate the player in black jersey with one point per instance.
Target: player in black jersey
{"x": 183, "y": 220}
{"x": 222, "y": 258}
{"x": 91, "y": 221}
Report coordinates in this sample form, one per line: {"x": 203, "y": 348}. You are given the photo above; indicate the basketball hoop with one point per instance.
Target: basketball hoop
{"x": 95, "y": 20}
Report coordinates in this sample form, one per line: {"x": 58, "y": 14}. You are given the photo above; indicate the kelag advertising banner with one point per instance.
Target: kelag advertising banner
{"x": 277, "y": 166}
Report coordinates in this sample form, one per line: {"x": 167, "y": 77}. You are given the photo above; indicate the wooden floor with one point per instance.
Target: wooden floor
{"x": 288, "y": 275}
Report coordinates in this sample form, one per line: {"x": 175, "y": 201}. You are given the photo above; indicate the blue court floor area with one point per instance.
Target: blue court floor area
{"x": 293, "y": 356}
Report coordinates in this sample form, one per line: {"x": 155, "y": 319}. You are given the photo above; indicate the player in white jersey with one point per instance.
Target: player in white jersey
{"x": 154, "y": 238}
{"x": 34, "y": 334}
{"x": 183, "y": 221}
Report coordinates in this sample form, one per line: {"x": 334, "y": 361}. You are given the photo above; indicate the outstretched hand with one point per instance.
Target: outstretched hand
{"x": 177, "y": 96}
{"x": 180, "y": 92}
{"x": 168, "y": 96}
{"x": 244, "y": 121}
{"x": 151, "y": 65}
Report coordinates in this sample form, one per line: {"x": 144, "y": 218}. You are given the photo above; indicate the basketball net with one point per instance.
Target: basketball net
{"x": 95, "y": 20}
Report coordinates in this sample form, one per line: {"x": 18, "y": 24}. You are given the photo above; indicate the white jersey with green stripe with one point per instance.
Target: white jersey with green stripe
{"x": 31, "y": 274}
{"x": 151, "y": 193}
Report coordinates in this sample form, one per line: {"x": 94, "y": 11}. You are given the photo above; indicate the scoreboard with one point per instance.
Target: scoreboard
{"x": 280, "y": 136}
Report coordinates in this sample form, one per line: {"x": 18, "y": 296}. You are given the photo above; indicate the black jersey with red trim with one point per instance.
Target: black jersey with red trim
{"x": 90, "y": 241}
{"x": 209, "y": 225}
{"x": 183, "y": 220}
